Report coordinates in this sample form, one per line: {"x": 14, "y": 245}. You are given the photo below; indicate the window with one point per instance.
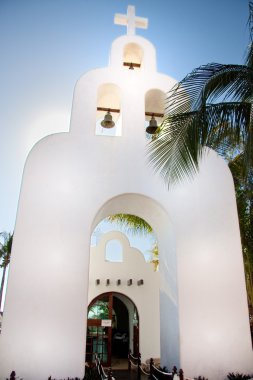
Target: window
{"x": 113, "y": 251}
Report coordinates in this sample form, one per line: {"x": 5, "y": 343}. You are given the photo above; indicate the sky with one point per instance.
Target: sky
{"x": 47, "y": 45}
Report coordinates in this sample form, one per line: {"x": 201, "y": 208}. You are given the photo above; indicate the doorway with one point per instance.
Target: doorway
{"x": 112, "y": 328}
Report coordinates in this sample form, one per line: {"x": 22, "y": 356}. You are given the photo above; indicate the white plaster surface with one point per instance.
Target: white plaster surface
{"x": 72, "y": 181}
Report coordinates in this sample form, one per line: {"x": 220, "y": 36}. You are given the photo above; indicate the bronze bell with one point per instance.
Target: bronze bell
{"x": 108, "y": 122}
{"x": 152, "y": 128}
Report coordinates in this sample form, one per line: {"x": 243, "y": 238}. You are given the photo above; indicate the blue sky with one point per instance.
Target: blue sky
{"x": 47, "y": 45}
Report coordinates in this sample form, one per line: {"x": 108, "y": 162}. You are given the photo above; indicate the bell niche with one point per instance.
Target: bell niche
{"x": 133, "y": 56}
{"x": 108, "y": 116}
{"x": 154, "y": 110}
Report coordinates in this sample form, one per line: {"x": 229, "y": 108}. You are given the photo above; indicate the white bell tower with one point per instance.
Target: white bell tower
{"x": 72, "y": 181}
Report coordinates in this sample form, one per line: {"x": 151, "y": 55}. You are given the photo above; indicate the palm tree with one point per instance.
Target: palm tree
{"x": 155, "y": 255}
{"x": 211, "y": 107}
{"x": 5, "y": 255}
{"x": 244, "y": 199}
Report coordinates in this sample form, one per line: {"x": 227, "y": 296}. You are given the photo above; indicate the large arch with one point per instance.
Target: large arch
{"x": 150, "y": 210}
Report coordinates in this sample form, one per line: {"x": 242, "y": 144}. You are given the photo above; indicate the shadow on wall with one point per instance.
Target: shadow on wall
{"x": 169, "y": 333}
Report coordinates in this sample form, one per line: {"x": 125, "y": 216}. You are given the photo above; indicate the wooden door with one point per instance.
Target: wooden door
{"x": 136, "y": 341}
{"x": 98, "y": 341}
{"x": 99, "y": 330}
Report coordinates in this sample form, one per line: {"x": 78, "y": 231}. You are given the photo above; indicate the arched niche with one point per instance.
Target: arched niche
{"x": 154, "y": 104}
{"x": 108, "y": 98}
{"x": 133, "y": 54}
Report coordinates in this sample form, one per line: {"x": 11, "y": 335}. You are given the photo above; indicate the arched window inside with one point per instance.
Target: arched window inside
{"x": 113, "y": 251}
{"x": 108, "y": 101}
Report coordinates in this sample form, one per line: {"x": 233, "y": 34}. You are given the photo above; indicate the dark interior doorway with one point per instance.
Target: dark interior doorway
{"x": 112, "y": 328}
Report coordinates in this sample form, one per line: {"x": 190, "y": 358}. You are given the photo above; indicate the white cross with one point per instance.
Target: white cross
{"x": 131, "y": 21}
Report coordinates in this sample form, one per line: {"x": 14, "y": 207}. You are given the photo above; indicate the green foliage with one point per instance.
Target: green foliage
{"x": 193, "y": 122}
{"x": 5, "y": 256}
{"x": 211, "y": 107}
{"x": 244, "y": 198}
{"x": 99, "y": 310}
{"x": 5, "y": 249}
{"x": 131, "y": 224}
{"x": 155, "y": 253}
{"x": 238, "y": 376}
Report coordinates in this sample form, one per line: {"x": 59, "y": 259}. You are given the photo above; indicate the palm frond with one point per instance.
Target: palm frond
{"x": 178, "y": 148}
{"x": 227, "y": 122}
{"x": 231, "y": 82}
{"x": 208, "y": 83}
{"x": 186, "y": 95}
{"x": 131, "y": 224}
{"x": 249, "y": 56}
{"x": 176, "y": 151}
{"x": 250, "y": 20}
{"x": 236, "y": 166}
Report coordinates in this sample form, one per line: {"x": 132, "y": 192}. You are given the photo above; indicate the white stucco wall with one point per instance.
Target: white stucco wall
{"x": 145, "y": 297}
{"x": 1, "y": 318}
{"x": 212, "y": 297}
{"x": 73, "y": 180}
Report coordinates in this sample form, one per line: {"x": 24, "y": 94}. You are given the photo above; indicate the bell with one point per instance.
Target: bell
{"x": 108, "y": 122}
{"x": 131, "y": 67}
{"x": 152, "y": 128}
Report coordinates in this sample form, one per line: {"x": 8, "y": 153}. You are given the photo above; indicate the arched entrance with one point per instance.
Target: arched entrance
{"x": 112, "y": 328}
{"x": 165, "y": 344}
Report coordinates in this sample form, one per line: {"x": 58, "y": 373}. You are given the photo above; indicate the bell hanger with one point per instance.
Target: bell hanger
{"x": 152, "y": 127}
{"x": 108, "y": 122}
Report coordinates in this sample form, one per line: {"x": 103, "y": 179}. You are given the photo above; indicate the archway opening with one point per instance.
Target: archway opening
{"x": 158, "y": 338}
{"x": 122, "y": 266}
{"x": 112, "y": 329}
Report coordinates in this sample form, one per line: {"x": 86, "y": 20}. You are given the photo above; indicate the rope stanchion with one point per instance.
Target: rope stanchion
{"x": 139, "y": 367}
{"x": 109, "y": 376}
{"x": 157, "y": 374}
{"x": 129, "y": 360}
{"x": 181, "y": 374}
{"x": 135, "y": 362}
{"x": 154, "y": 373}
{"x": 100, "y": 370}
{"x": 144, "y": 372}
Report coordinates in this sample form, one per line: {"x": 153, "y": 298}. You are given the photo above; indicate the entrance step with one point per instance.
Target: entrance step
{"x": 119, "y": 363}
{"x": 123, "y": 374}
